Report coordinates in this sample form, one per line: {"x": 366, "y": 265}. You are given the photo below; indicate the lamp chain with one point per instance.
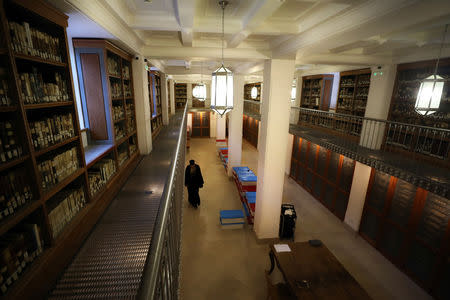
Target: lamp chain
{"x": 440, "y": 51}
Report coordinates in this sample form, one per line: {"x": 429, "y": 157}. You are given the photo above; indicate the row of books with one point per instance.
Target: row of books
{"x": 15, "y": 192}
{"x": 100, "y": 173}
{"x": 113, "y": 66}
{"x": 119, "y": 131}
{"x": 71, "y": 202}
{"x": 133, "y": 148}
{"x": 117, "y": 112}
{"x": 130, "y": 108}
{"x": 4, "y": 98}
{"x": 126, "y": 72}
{"x": 131, "y": 125}
{"x": 116, "y": 89}
{"x": 30, "y": 41}
{"x": 59, "y": 167}
{"x": 35, "y": 90}
{"x": 156, "y": 123}
{"x": 19, "y": 248}
{"x": 10, "y": 147}
{"x": 127, "y": 89}
{"x": 51, "y": 130}
{"x": 123, "y": 156}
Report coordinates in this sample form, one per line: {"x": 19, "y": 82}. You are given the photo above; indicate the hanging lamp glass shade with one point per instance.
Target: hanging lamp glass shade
{"x": 429, "y": 96}
{"x": 254, "y": 92}
{"x": 199, "y": 92}
{"x": 222, "y": 90}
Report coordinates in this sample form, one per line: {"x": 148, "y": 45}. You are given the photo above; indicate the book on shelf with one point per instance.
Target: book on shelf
{"x": 58, "y": 168}
{"x": 30, "y": 41}
{"x": 119, "y": 131}
{"x": 127, "y": 89}
{"x": 70, "y": 202}
{"x": 10, "y": 147}
{"x": 126, "y": 72}
{"x": 51, "y": 130}
{"x": 113, "y": 66}
{"x": 123, "y": 156}
{"x": 116, "y": 88}
{"x": 18, "y": 249}
{"x": 133, "y": 148}
{"x": 34, "y": 90}
{"x": 117, "y": 111}
{"x": 100, "y": 173}
{"x": 15, "y": 192}
{"x": 4, "y": 96}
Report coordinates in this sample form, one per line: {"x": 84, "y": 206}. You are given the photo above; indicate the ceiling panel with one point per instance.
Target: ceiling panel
{"x": 292, "y": 9}
{"x": 234, "y": 9}
{"x": 154, "y": 5}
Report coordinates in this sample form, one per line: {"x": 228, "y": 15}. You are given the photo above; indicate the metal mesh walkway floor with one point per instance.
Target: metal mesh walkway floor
{"x": 109, "y": 265}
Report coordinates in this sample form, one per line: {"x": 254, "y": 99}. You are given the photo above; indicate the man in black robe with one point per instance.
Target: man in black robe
{"x": 193, "y": 180}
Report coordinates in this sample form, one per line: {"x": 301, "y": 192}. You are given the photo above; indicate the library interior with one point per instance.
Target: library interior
{"x": 344, "y": 194}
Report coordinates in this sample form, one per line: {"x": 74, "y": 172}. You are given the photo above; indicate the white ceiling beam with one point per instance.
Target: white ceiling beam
{"x": 355, "y": 45}
{"x": 184, "y": 12}
{"x": 249, "y": 68}
{"x": 368, "y": 19}
{"x": 258, "y": 13}
{"x": 388, "y": 46}
{"x": 204, "y": 52}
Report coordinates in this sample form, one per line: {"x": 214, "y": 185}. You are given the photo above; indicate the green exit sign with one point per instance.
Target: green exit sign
{"x": 378, "y": 73}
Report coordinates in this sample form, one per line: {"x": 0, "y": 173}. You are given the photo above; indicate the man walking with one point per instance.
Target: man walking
{"x": 193, "y": 180}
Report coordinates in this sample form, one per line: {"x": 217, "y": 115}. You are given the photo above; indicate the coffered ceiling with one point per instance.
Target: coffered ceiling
{"x": 184, "y": 34}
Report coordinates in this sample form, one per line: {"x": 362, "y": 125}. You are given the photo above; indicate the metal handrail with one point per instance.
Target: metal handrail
{"x": 333, "y": 114}
{"x": 148, "y": 284}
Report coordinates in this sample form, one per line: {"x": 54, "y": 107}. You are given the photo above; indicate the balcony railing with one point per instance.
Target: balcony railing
{"x": 420, "y": 142}
{"x": 160, "y": 279}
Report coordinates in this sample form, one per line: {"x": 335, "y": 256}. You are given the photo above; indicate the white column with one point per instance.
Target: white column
{"x": 357, "y": 196}
{"x": 212, "y": 124}
{"x": 189, "y": 94}
{"x": 295, "y": 113}
{"x": 235, "y": 124}
{"x": 172, "y": 96}
{"x": 164, "y": 99}
{"x": 142, "y": 104}
{"x": 278, "y": 76}
{"x": 378, "y": 102}
{"x": 221, "y": 126}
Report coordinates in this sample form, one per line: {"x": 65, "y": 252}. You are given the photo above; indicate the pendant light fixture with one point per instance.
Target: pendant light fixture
{"x": 254, "y": 92}
{"x": 222, "y": 80}
{"x": 199, "y": 90}
{"x": 430, "y": 91}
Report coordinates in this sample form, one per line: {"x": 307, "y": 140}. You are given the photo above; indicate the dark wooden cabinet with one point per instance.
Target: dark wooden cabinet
{"x": 411, "y": 227}
{"x": 323, "y": 173}
{"x": 250, "y": 130}
{"x": 200, "y": 124}
{"x": 316, "y": 92}
{"x": 353, "y": 92}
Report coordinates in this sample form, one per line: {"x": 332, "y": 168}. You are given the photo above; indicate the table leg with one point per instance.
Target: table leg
{"x": 272, "y": 261}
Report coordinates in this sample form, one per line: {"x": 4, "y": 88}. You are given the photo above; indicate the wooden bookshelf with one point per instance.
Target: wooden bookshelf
{"x": 250, "y": 130}
{"x": 406, "y": 88}
{"x": 316, "y": 92}
{"x": 32, "y": 197}
{"x": 248, "y": 91}
{"x": 353, "y": 92}
{"x": 154, "y": 91}
{"x": 180, "y": 95}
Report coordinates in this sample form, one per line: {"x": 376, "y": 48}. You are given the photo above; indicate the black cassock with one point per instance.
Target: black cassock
{"x": 193, "y": 180}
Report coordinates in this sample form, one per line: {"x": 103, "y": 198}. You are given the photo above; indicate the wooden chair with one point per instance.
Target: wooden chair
{"x": 279, "y": 291}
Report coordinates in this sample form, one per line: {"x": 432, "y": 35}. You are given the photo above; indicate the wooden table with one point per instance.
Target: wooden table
{"x": 314, "y": 273}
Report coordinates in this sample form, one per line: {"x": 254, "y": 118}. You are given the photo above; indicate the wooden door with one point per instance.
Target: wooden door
{"x": 200, "y": 124}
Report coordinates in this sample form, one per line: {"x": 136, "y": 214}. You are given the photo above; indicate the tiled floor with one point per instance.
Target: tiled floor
{"x": 229, "y": 264}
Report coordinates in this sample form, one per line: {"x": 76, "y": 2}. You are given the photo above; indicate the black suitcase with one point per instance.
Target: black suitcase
{"x": 288, "y": 218}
